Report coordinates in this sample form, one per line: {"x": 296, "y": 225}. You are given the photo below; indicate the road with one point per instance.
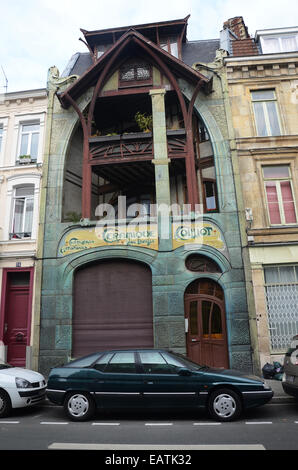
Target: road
{"x": 271, "y": 427}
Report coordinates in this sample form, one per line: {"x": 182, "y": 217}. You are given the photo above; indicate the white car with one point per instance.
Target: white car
{"x": 19, "y": 388}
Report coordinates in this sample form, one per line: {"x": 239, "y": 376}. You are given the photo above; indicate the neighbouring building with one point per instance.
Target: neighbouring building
{"x": 141, "y": 119}
{"x": 262, "y": 76}
{"x": 22, "y": 123}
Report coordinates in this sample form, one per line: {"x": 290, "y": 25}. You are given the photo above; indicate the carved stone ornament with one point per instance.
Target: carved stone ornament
{"x": 55, "y": 80}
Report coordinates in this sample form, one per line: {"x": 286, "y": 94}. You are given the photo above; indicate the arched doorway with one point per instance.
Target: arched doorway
{"x": 206, "y": 336}
{"x": 112, "y": 307}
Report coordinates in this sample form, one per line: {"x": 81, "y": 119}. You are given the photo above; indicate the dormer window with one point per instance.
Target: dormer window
{"x": 135, "y": 73}
{"x": 170, "y": 44}
{"x": 278, "y": 43}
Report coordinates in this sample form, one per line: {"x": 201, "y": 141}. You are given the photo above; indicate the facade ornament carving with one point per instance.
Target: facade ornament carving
{"x": 55, "y": 81}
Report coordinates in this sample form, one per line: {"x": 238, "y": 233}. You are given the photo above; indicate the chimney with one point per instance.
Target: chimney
{"x": 237, "y": 26}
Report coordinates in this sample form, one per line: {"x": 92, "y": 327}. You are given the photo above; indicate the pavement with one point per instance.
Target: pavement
{"x": 279, "y": 395}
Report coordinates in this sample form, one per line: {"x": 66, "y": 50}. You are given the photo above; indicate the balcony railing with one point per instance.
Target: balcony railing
{"x": 136, "y": 146}
{"x": 19, "y": 235}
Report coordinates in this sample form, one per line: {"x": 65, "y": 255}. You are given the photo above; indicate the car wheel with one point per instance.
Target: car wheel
{"x": 79, "y": 406}
{"x": 224, "y": 405}
{"x": 5, "y": 404}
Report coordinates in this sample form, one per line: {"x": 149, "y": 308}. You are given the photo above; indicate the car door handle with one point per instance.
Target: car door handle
{"x": 100, "y": 382}
{"x": 148, "y": 382}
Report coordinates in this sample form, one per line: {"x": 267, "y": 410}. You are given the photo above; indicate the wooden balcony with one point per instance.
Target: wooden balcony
{"x": 133, "y": 147}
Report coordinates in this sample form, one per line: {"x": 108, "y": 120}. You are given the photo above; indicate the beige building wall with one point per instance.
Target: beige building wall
{"x": 16, "y": 110}
{"x": 269, "y": 245}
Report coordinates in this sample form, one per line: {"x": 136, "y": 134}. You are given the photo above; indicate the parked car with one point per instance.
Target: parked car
{"x": 290, "y": 377}
{"x": 151, "y": 379}
{"x": 19, "y": 388}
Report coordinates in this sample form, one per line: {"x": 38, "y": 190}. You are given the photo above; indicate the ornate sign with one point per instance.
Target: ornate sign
{"x": 198, "y": 233}
{"x": 82, "y": 239}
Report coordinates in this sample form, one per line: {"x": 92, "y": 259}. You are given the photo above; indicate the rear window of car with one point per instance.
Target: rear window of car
{"x": 86, "y": 361}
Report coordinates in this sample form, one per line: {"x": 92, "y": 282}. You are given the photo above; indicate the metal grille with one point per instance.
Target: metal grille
{"x": 282, "y": 305}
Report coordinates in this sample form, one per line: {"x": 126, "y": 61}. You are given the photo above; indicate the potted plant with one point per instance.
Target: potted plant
{"x": 24, "y": 158}
{"x": 144, "y": 121}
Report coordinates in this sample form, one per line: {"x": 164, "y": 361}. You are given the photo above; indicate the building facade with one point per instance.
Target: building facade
{"x": 22, "y": 122}
{"x": 135, "y": 126}
{"x": 262, "y": 78}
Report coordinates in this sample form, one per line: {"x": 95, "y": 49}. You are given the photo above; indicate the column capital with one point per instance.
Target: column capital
{"x": 157, "y": 91}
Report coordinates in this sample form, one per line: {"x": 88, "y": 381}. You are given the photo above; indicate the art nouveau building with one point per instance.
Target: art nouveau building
{"x": 262, "y": 78}
{"x": 144, "y": 280}
{"x": 22, "y": 122}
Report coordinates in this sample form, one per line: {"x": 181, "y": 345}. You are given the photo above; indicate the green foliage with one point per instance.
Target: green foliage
{"x": 144, "y": 121}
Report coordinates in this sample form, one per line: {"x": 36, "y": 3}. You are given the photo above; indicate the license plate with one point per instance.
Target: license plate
{"x": 290, "y": 378}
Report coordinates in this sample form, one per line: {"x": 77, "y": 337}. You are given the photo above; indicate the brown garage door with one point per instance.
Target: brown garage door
{"x": 112, "y": 307}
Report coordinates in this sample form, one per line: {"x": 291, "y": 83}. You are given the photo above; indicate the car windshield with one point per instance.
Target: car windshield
{"x": 4, "y": 365}
{"x": 185, "y": 362}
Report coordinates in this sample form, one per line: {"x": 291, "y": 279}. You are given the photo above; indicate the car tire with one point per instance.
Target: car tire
{"x": 79, "y": 406}
{"x": 224, "y": 405}
{"x": 5, "y": 404}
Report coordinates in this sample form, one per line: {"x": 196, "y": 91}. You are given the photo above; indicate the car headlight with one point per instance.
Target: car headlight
{"x": 22, "y": 383}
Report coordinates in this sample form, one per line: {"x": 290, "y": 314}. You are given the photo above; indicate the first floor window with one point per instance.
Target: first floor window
{"x": 266, "y": 114}
{"x": 279, "y": 195}
{"x": 281, "y": 285}
{"x": 22, "y": 215}
{"x": 29, "y": 140}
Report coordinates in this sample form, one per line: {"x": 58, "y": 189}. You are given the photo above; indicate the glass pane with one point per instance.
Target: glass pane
{"x": 154, "y": 363}
{"x": 261, "y": 95}
{"x": 271, "y": 275}
{"x": 193, "y": 318}
{"x": 122, "y": 363}
{"x": 34, "y": 145}
{"x": 25, "y": 191}
{"x": 273, "y": 118}
{"x": 174, "y": 49}
{"x": 143, "y": 73}
{"x": 206, "y": 287}
{"x": 18, "y": 216}
{"x": 288, "y": 203}
{"x": 270, "y": 45}
{"x": 24, "y": 144}
{"x": 216, "y": 324}
{"x": 289, "y": 44}
{"x": 28, "y": 216}
{"x": 210, "y": 195}
{"x": 260, "y": 119}
{"x": 103, "y": 361}
{"x": 279, "y": 171}
{"x": 30, "y": 127}
{"x": 287, "y": 274}
{"x": 272, "y": 201}
{"x": 206, "y": 309}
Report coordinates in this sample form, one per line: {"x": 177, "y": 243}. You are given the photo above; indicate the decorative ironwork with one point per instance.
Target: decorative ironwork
{"x": 126, "y": 147}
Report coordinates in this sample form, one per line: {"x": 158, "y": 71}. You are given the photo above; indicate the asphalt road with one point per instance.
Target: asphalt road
{"x": 271, "y": 427}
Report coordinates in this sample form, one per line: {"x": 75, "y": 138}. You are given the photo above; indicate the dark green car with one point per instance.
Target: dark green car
{"x": 154, "y": 379}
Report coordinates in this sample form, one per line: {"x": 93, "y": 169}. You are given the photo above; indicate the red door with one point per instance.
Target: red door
{"x": 206, "y": 336}
{"x": 17, "y": 314}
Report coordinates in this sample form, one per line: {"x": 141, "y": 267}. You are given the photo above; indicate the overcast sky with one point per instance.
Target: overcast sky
{"x": 36, "y": 34}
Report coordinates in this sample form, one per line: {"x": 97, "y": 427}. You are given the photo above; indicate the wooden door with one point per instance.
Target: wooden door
{"x": 17, "y": 314}
{"x": 206, "y": 336}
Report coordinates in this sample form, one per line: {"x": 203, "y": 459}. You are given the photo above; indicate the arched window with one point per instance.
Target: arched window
{"x": 201, "y": 264}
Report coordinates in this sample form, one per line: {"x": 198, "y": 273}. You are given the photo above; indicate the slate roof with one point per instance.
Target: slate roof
{"x": 192, "y": 51}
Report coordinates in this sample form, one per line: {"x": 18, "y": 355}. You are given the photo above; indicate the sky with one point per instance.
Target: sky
{"x": 37, "y": 34}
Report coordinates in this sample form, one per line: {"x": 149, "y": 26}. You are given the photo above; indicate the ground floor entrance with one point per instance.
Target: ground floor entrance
{"x": 206, "y": 337}
{"x": 112, "y": 307}
{"x": 16, "y": 307}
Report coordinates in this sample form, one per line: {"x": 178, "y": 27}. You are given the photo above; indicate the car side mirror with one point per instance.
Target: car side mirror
{"x": 184, "y": 371}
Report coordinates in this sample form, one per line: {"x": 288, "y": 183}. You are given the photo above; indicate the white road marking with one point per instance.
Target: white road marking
{"x": 72, "y": 446}
{"x": 258, "y": 422}
{"x": 158, "y": 424}
{"x": 52, "y": 422}
{"x": 207, "y": 424}
{"x": 9, "y": 422}
{"x": 105, "y": 424}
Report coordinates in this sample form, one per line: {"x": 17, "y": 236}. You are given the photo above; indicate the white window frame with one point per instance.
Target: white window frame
{"x": 27, "y": 119}
{"x": 3, "y": 124}
{"x": 26, "y": 201}
{"x": 23, "y": 132}
{"x": 13, "y": 182}
{"x": 277, "y": 182}
{"x": 279, "y": 37}
{"x": 265, "y": 111}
